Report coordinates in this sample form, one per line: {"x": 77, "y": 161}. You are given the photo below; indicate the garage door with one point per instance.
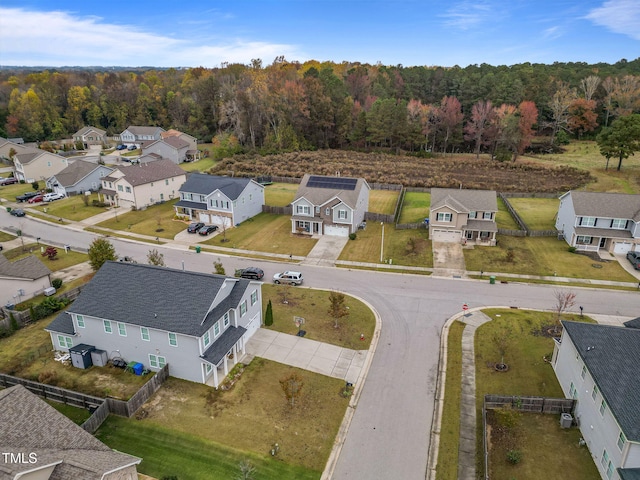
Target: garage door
{"x": 253, "y": 325}
{"x": 204, "y": 217}
{"x": 336, "y": 231}
{"x": 446, "y": 236}
{"x": 622, "y": 247}
{"x": 219, "y": 219}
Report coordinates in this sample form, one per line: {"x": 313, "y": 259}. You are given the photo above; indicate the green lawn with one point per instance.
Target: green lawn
{"x": 10, "y": 192}
{"x": 6, "y": 237}
{"x": 280, "y": 194}
{"x": 203, "y": 165}
{"x": 383, "y": 201}
{"x": 537, "y": 213}
{"x": 265, "y": 232}
{"x": 450, "y": 425}
{"x": 313, "y": 306}
{"x": 397, "y": 246}
{"x": 63, "y": 260}
{"x": 148, "y": 221}
{"x": 415, "y": 207}
{"x": 541, "y": 256}
{"x": 77, "y": 415}
{"x": 504, "y": 218}
{"x": 71, "y": 208}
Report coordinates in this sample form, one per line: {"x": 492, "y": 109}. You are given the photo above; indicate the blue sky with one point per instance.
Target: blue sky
{"x": 408, "y": 32}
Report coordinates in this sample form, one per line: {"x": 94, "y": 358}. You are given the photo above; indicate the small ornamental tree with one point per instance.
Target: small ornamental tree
{"x": 268, "y": 315}
{"x": 155, "y": 258}
{"x": 337, "y": 308}
{"x": 100, "y": 251}
{"x": 219, "y": 267}
{"x": 564, "y": 301}
{"x": 292, "y": 387}
{"x": 51, "y": 253}
{"x": 36, "y": 186}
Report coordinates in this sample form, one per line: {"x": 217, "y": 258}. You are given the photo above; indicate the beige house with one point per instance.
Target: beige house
{"x": 192, "y": 151}
{"x": 7, "y": 146}
{"x": 90, "y": 136}
{"x": 37, "y": 165}
{"x": 143, "y": 184}
{"x": 458, "y": 215}
{"x": 22, "y": 279}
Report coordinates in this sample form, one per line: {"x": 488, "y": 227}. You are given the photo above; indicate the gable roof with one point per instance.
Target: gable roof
{"x": 607, "y": 205}
{"x": 143, "y": 130}
{"x": 612, "y": 355}
{"x": 142, "y": 173}
{"x": 29, "y": 424}
{"x": 29, "y": 156}
{"x": 144, "y": 298}
{"x": 319, "y": 196}
{"x": 172, "y": 132}
{"x": 87, "y": 129}
{"x": 29, "y": 268}
{"x": 204, "y": 184}
{"x": 175, "y": 142}
{"x": 76, "y": 171}
{"x": 464, "y": 200}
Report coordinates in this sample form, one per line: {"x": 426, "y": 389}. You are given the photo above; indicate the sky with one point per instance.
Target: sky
{"x": 209, "y": 33}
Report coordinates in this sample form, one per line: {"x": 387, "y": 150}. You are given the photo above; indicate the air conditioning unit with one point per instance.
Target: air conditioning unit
{"x": 566, "y": 420}
{"x": 49, "y": 291}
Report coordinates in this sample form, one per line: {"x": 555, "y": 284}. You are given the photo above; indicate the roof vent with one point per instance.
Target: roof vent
{"x": 155, "y": 315}
{"x": 590, "y": 348}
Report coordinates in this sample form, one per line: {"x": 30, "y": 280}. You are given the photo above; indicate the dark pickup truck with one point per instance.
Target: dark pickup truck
{"x": 26, "y": 196}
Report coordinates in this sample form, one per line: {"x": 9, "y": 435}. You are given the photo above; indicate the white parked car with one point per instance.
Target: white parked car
{"x": 50, "y": 197}
{"x": 292, "y": 278}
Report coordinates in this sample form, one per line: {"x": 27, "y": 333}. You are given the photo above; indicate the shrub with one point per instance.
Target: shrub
{"x": 514, "y": 456}
{"x": 98, "y": 203}
{"x": 47, "y": 376}
{"x": 572, "y": 249}
{"x": 13, "y": 323}
{"x": 56, "y": 283}
{"x": 352, "y": 236}
{"x": 5, "y": 332}
{"x": 268, "y": 315}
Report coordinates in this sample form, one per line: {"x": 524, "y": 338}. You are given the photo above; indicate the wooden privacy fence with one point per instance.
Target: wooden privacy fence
{"x": 131, "y": 406}
{"x": 530, "y": 404}
{"x": 378, "y": 217}
{"x": 514, "y": 214}
{"x": 512, "y": 233}
{"x": 288, "y": 210}
{"x": 411, "y": 226}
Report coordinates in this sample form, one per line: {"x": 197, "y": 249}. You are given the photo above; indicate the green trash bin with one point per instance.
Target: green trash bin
{"x": 198, "y": 248}
{"x": 8, "y": 209}
{"x": 492, "y": 280}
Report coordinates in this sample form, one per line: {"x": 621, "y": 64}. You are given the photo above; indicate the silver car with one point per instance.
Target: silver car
{"x": 291, "y": 278}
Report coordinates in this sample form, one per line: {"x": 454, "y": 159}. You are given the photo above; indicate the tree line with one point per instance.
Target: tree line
{"x": 289, "y": 106}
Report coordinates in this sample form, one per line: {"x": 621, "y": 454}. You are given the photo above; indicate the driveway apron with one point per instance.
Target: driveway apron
{"x": 448, "y": 259}
{"x": 326, "y": 251}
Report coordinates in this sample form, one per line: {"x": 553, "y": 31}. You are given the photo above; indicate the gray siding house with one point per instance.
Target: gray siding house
{"x": 137, "y": 135}
{"x": 223, "y": 201}
{"x": 597, "y": 365}
{"x": 457, "y": 215}
{"x": 80, "y": 176}
{"x": 90, "y": 136}
{"x": 171, "y": 147}
{"x": 329, "y": 205}
{"x": 197, "y": 323}
{"x": 595, "y": 221}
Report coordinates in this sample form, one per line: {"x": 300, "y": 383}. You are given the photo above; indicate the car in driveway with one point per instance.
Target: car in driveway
{"x": 121, "y": 147}
{"x": 194, "y": 227}
{"x": 17, "y": 212}
{"x": 8, "y": 181}
{"x": 131, "y": 147}
{"x": 252, "y": 273}
{"x": 26, "y": 196}
{"x": 288, "y": 278}
{"x": 50, "y": 197}
{"x": 634, "y": 258}
{"x": 37, "y": 199}
{"x": 207, "y": 229}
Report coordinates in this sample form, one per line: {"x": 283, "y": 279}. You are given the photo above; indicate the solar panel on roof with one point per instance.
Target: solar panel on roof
{"x": 336, "y": 183}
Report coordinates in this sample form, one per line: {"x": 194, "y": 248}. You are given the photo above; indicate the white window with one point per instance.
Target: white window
{"x": 225, "y": 320}
{"x": 317, "y": 209}
{"x": 572, "y": 390}
{"x": 487, "y": 215}
{"x": 64, "y": 342}
{"x": 216, "y": 329}
{"x": 605, "y": 458}
{"x": 621, "y": 441}
{"x": 584, "y": 371}
{"x": 166, "y": 182}
{"x": 254, "y": 297}
{"x": 583, "y": 240}
{"x": 156, "y": 361}
{"x": 173, "y": 339}
{"x": 588, "y": 221}
{"x": 603, "y": 407}
{"x": 207, "y": 368}
{"x": 128, "y": 189}
{"x": 242, "y": 201}
{"x": 444, "y": 217}
{"x": 327, "y": 211}
{"x": 107, "y": 326}
{"x": 144, "y": 333}
{"x": 609, "y": 470}
{"x": 207, "y": 338}
{"x": 342, "y": 214}
{"x": 122, "y": 329}
{"x": 243, "y": 308}
{"x": 80, "y": 320}
{"x": 235, "y": 203}
{"x": 302, "y": 209}
{"x": 473, "y": 214}
{"x": 619, "y": 223}
{"x": 594, "y": 392}
{"x": 120, "y": 189}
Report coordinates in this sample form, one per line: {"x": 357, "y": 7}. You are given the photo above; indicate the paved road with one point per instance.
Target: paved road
{"x": 389, "y": 435}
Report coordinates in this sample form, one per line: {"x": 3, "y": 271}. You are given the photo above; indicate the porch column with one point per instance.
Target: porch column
{"x": 235, "y": 354}
{"x": 225, "y": 366}
{"x": 244, "y": 343}
{"x": 215, "y": 376}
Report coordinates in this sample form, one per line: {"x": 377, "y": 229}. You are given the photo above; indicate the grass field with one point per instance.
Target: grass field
{"x": 77, "y": 415}
{"x": 71, "y": 208}
{"x": 148, "y": 221}
{"x": 202, "y": 165}
{"x": 537, "y": 213}
{"x": 265, "y": 232}
{"x": 541, "y": 256}
{"x": 383, "y": 201}
{"x": 402, "y": 247}
{"x": 6, "y": 237}
{"x": 280, "y": 194}
{"x": 63, "y": 260}
{"x": 504, "y": 218}
{"x": 313, "y": 306}
{"x": 415, "y": 207}
{"x": 10, "y": 192}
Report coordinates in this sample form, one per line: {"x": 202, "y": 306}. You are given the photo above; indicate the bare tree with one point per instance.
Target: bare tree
{"x": 559, "y": 106}
{"x": 565, "y": 299}
{"x": 502, "y": 339}
{"x": 292, "y": 386}
{"x": 589, "y": 86}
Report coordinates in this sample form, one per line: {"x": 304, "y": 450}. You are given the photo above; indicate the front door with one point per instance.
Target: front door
{"x": 603, "y": 242}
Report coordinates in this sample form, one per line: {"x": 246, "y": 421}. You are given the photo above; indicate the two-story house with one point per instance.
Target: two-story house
{"x": 139, "y": 135}
{"x": 457, "y": 215}
{"x": 9, "y": 148}
{"x": 79, "y": 177}
{"x": 192, "y": 151}
{"x": 329, "y": 205}
{"x": 143, "y": 184}
{"x": 197, "y": 323}
{"x": 593, "y": 221}
{"x": 171, "y": 147}
{"x": 90, "y": 136}
{"x": 37, "y": 165}
{"x": 597, "y": 365}
{"x": 223, "y": 201}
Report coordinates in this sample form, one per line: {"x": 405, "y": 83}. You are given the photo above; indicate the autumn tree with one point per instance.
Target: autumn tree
{"x": 154, "y": 257}
{"x": 480, "y": 129}
{"x": 621, "y": 140}
{"x": 449, "y": 119}
{"x": 337, "y": 308}
{"x": 100, "y": 251}
{"x": 582, "y": 116}
{"x": 292, "y": 387}
{"x": 559, "y": 106}
{"x": 589, "y": 85}
{"x": 50, "y": 252}
{"x": 564, "y": 300}
{"x": 527, "y": 118}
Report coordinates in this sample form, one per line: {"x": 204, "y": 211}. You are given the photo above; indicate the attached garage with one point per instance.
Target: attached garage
{"x": 450, "y": 236}
{"x": 204, "y": 217}
{"x": 221, "y": 220}
{"x": 252, "y": 326}
{"x": 622, "y": 247}
{"x": 336, "y": 230}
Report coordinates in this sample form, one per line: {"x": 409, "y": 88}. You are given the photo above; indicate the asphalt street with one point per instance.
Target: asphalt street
{"x": 389, "y": 434}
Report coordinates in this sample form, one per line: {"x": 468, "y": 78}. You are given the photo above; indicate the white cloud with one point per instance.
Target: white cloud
{"x": 619, "y": 16}
{"x": 466, "y": 15}
{"x": 59, "y": 38}
{"x": 552, "y": 32}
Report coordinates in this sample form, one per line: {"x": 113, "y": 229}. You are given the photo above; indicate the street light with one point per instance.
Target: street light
{"x": 382, "y": 243}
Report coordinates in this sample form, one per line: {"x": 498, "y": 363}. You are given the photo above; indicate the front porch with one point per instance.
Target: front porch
{"x": 480, "y": 232}
{"x": 304, "y": 226}
{"x": 223, "y": 355}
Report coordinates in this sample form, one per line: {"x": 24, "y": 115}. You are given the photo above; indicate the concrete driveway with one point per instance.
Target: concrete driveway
{"x": 448, "y": 259}
{"x": 326, "y": 251}
{"x": 626, "y": 264}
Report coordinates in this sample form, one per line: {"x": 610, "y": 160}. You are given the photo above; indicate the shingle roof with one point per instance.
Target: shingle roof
{"x": 31, "y": 425}
{"x": 189, "y": 204}
{"x": 607, "y": 205}
{"x": 142, "y": 173}
{"x": 319, "y": 196}
{"x": 464, "y": 201}
{"x": 29, "y": 157}
{"x": 635, "y": 323}
{"x": 612, "y": 355}
{"x": 629, "y": 473}
{"x": 222, "y": 345}
{"x": 62, "y": 324}
{"x": 29, "y": 267}
{"x": 87, "y": 129}
{"x": 76, "y": 171}
{"x": 155, "y": 297}
{"x": 175, "y": 142}
{"x": 144, "y": 130}
{"x": 204, "y": 184}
